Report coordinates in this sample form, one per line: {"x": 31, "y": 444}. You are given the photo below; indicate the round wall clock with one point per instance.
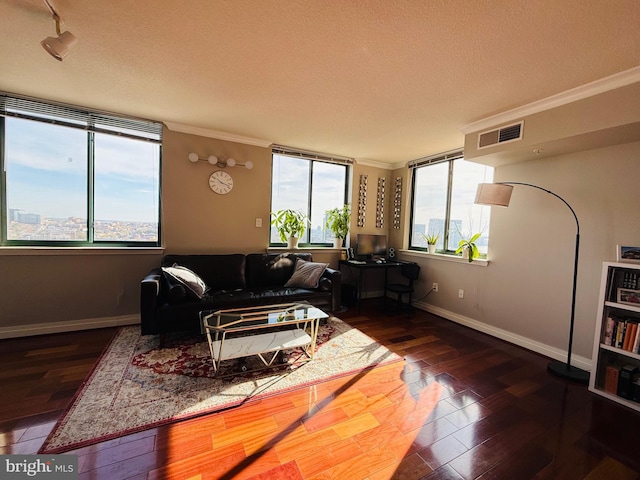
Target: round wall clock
{"x": 221, "y": 182}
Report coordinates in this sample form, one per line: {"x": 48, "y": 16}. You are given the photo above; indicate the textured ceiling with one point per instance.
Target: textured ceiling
{"x": 381, "y": 80}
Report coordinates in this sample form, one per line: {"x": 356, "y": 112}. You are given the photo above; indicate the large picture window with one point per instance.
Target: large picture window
{"x": 443, "y": 194}
{"x": 311, "y": 184}
{"x": 74, "y": 177}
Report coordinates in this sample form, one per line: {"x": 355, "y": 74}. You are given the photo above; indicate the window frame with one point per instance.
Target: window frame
{"x": 313, "y": 158}
{"x": 93, "y": 122}
{"x": 447, "y": 157}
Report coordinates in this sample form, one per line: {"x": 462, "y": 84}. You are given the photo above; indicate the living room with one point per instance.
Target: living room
{"x": 581, "y": 112}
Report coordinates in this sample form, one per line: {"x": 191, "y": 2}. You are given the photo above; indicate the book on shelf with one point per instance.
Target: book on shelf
{"x": 608, "y": 331}
{"x": 636, "y": 342}
{"x": 611, "y": 379}
{"x": 622, "y": 333}
{"x": 630, "y": 280}
{"x": 629, "y": 338}
{"x": 626, "y": 377}
{"x": 635, "y": 395}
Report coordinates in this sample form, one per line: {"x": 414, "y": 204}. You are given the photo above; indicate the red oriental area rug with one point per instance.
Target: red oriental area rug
{"x": 138, "y": 385}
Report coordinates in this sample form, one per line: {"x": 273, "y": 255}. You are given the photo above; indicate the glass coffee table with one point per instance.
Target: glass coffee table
{"x": 262, "y": 331}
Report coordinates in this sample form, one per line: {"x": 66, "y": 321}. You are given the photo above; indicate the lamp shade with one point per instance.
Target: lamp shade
{"x": 193, "y": 157}
{"x": 248, "y": 164}
{"x": 213, "y": 160}
{"x": 231, "y": 162}
{"x": 493, "y": 194}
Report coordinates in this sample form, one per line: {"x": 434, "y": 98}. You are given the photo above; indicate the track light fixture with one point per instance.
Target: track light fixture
{"x": 220, "y": 162}
{"x": 57, "y": 47}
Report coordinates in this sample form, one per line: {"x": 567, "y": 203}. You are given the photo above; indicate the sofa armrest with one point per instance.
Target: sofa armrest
{"x": 149, "y": 299}
{"x": 335, "y": 276}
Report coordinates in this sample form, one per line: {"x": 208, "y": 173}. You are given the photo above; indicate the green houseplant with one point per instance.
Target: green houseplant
{"x": 468, "y": 247}
{"x": 431, "y": 239}
{"x": 338, "y": 221}
{"x": 290, "y": 224}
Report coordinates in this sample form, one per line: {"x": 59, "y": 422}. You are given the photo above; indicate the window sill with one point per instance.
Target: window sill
{"x": 480, "y": 262}
{"x": 61, "y": 251}
{"x": 304, "y": 249}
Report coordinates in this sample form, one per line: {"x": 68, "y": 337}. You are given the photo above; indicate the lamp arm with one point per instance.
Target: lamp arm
{"x": 575, "y": 261}
{"x": 550, "y": 193}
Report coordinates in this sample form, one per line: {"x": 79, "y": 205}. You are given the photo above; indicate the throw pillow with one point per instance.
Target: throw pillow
{"x": 192, "y": 282}
{"x": 306, "y": 274}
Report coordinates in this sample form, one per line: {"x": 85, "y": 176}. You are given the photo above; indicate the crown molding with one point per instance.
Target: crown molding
{"x": 373, "y": 163}
{"x": 229, "y": 137}
{"x": 618, "y": 80}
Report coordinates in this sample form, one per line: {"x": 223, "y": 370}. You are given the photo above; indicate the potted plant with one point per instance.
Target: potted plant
{"x": 338, "y": 221}
{"x": 431, "y": 240}
{"x": 290, "y": 225}
{"x": 468, "y": 248}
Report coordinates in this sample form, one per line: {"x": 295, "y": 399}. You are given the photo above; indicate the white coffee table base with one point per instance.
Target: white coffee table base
{"x": 262, "y": 343}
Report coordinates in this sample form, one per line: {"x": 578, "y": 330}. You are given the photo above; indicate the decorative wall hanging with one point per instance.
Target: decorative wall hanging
{"x": 362, "y": 200}
{"x": 397, "y": 202}
{"x": 380, "y": 203}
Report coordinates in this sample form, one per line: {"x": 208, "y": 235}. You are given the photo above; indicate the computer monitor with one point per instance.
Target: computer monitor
{"x": 371, "y": 246}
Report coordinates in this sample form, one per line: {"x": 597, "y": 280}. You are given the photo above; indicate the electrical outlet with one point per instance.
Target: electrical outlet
{"x": 435, "y": 287}
{"x": 461, "y": 293}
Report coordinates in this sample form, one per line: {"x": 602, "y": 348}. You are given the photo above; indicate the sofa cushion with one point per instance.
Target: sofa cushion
{"x": 271, "y": 269}
{"x": 190, "y": 280}
{"x": 175, "y": 290}
{"x": 220, "y": 272}
{"x": 306, "y": 274}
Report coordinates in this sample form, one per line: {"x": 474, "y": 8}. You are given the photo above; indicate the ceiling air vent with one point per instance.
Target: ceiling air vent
{"x": 508, "y": 133}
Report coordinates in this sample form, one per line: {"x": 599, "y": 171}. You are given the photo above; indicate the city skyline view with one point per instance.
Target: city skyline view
{"x": 49, "y": 176}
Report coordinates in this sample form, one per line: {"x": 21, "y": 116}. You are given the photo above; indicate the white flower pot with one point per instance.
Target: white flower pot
{"x": 432, "y": 248}
{"x": 337, "y": 242}
{"x": 292, "y": 243}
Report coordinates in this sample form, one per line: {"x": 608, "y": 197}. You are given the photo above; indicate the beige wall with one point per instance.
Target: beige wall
{"x": 373, "y": 173}
{"x": 197, "y": 220}
{"x": 526, "y": 288}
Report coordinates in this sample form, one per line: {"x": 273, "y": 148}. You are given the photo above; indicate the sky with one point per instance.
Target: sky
{"x": 291, "y": 189}
{"x": 46, "y": 171}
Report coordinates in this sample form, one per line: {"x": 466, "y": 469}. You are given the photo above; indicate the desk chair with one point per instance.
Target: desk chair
{"x": 410, "y": 272}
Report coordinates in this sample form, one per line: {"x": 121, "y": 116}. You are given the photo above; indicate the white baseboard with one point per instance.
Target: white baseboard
{"x": 69, "y": 326}
{"x": 543, "y": 349}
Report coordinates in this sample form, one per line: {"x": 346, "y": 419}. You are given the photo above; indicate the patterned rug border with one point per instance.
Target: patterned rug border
{"x": 394, "y": 358}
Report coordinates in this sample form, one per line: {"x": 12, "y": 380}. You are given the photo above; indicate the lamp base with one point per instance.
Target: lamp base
{"x": 568, "y": 372}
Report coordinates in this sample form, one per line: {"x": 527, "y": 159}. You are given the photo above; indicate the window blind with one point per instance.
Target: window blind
{"x": 308, "y": 155}
{"x": 81, "y": 118}
{"x": 439, "y": 158}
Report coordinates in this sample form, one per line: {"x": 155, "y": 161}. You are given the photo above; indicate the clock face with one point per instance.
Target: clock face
{"x": 221, "y": 182}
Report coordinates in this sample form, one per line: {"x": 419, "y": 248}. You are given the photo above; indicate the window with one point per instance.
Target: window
{"x": 77, "y": 178}
{"x": 312, "y": 184}
{"x": 443, "y": 194}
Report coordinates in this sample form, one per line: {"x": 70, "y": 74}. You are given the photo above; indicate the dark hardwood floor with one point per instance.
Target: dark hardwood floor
{"x": 464, "y": 405}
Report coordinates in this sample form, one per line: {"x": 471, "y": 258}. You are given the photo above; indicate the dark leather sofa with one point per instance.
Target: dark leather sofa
{"x": 234, "y": 280}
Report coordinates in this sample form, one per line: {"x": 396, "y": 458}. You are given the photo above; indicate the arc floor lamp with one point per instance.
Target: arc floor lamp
{"x": 499, "y": 194}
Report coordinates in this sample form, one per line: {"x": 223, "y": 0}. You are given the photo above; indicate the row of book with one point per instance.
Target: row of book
{"x": 623, "y": 381}
{"x": 630, "y": 280}
{"x": 622, "y": 333}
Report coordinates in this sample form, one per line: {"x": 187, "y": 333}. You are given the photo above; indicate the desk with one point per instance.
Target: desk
{"x": 363, "y": 268}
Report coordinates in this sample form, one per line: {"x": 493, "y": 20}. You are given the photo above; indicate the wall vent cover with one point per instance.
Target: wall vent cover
{"x": 508, "y": 133}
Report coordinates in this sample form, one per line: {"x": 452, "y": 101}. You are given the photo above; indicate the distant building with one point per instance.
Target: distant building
{"x": 17, "y": 215}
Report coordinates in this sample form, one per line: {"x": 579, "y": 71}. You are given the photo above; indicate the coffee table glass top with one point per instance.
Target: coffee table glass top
{"x": 242, "y": 319}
